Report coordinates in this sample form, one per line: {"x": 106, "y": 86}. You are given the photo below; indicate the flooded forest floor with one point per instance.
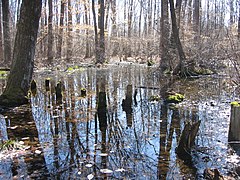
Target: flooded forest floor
{"x": 116, "y": 130}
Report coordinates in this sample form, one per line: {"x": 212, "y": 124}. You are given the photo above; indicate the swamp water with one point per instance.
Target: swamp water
{"x": 116, "y": 131}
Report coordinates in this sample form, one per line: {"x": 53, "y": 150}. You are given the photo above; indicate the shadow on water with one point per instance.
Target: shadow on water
{"x": 115, "y": 131}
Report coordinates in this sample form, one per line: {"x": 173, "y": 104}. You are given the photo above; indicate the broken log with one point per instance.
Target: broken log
{"x": 187, "y": 140}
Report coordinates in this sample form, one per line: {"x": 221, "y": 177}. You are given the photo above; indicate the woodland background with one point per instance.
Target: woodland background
{"x": 135, "y": 30}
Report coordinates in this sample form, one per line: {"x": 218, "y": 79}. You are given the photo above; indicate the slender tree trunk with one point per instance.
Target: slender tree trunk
{"x": 140, "y": 19}
{"x": 95, "y": 32}
{"x": 23, "y": 55}
{"x": 231, "y": 12}
{"x": 6, "y": 32}
{"x": 1, "y": 40}
{"x": 114, "y": 19}
{"x": 178, "y": 12}
{"x": 101, "y": 33}
{"x": 181, "y": 54}
{"x": 107, "y": 9}
{"x": 60, "y": 34}
{"x": 87, "y": 52}
{"x": 50, "y": 32}
{"x": 70, "y": 38}
{"x": 190, "y": 12}
{"x": 239, "y": 20}
{"x": 164, "y": 43}
{"x": 196, "y": 21}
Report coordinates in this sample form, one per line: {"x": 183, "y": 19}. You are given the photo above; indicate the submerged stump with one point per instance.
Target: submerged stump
{"x": 58, "y": 89}
{"x": 234, "y": 127}
{"x": 187, "y": 139}
{"x": 47, "y": 84}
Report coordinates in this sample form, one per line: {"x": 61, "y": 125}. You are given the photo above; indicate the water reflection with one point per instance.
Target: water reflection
{"x": 115, "y": 131}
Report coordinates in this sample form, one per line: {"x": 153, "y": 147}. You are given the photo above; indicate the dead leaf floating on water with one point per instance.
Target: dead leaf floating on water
{"x": 103, "y": 154}
{"x": 120, "y": 170}
{"x": 90, "y": 176}
{"x": 38, "y": 152}
{"x": 88, "y": 165}
{"x": 13, "y": 127}
{"x": 106, "y": 171}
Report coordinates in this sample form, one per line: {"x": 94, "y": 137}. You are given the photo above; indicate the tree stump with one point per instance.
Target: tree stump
{"x": 47, "y": 84}
{"x": 83, "y": 92}
{"x": 234, "y": 127}
{"x": 58, "y": 89}
{"x": 187, "y": 139}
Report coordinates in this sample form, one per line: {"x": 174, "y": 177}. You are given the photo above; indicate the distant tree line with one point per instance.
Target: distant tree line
{"x": 140, "y": 30}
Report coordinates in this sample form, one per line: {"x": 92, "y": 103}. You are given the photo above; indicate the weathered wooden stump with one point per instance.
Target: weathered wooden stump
{"x": 47, "y": 84}
{"x": 187, "y": 139}
{"x": 234, "y": 127}
{"x": 58, "y": 90}
{"x": 83, "y": 92}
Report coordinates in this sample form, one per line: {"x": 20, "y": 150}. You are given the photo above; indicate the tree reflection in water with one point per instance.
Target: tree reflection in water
{"x": 112, "y": 132}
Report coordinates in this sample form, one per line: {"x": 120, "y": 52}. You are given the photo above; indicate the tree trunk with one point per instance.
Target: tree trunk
{"x": 1, "y": 47}
{"x": 69, "y": 39}
{"x": 95, "y": 32}
{"x": 87, "y": 52}
{"x": 99, "y": 42}
{"x": 196, "y": 21}
{"x": 181, "y": 67}
{"x": 239, "y": 20}
{"x": 50, "y": 32}
{"x": 164, "y": 43}
{"x": 6, "y": 33}
{"x": 23, "y": 55}
{"x": 60, "y": 35}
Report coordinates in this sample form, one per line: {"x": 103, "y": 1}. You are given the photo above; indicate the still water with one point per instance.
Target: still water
{"x": 116, "y": 131}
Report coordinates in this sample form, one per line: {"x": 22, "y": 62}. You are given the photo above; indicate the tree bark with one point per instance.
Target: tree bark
{"x": 182, "y": 57}
{"x": 164, "y": 43}
{"x": 23, "y": 55}
{"x": 6, "y": 32}
{"x": 1, "y": 47}
{"x": 50, "y": 32}
{"x": 60, "y": 35}
{"x": 69, "y": 39}
{"x": 239, "y": 20}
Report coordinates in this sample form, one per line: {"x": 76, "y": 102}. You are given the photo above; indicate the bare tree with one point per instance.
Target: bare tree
{"x": 239, "y": 20}
{"x": 1, "y": 47}
{"x": 60, "y": 33}
{"x": 23, "y": 55}
{"x": 69, "y": 38}
{"x": 164, "y": 43}
{"x": 196, "y": 20}
{"x": 6, "y": 32}
{"x": 50, "y": 31}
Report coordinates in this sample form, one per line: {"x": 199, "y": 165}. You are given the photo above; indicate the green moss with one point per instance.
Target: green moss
{"x": 154, "y": 98}
{"x": 175, "y": 98}
{"x": 70, "y": 69}
{"x": 3, "y": 74}
{"x": 235, "y": 104}
{"x": 7, "y": 145}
